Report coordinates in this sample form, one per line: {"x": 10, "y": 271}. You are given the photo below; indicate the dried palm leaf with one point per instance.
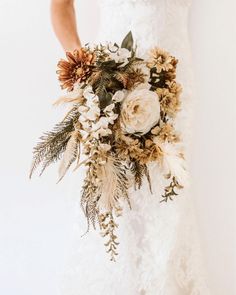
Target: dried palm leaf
{"x": 114, "y": 183}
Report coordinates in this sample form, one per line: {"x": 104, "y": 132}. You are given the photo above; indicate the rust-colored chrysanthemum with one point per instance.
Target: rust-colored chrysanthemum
{"x": 77, "y": 68}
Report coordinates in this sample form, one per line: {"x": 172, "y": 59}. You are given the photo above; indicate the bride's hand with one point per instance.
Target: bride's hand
{"x": 64, "y": 24}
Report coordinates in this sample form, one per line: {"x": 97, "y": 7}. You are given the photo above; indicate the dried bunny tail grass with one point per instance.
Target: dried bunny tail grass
{"x": 174, "y": 163}
{"x": 71, "y": 153}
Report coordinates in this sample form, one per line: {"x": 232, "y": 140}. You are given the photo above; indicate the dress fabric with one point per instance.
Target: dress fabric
{"x": 159, "y": 251}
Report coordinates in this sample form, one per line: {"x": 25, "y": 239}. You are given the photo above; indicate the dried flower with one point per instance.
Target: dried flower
{"x": 166, "y": 132}
{"x": 138, "y": 75}
{"x": 169, "y": 102}
{"x": 161, "y": 60}
{"x": 174, "y": 88}
{"x": 77, "y": 68}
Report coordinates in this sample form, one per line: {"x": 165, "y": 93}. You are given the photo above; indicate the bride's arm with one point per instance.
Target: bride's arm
{"x": 64, "y": 23}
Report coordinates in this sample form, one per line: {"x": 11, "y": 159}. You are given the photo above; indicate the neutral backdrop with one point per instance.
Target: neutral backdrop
{"x": 36, "y": 217}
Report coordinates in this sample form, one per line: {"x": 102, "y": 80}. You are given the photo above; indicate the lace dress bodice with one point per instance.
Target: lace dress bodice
{"x": 152, "y": 22}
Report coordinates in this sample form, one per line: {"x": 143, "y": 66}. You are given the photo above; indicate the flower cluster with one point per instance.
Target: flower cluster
{"x": 122, "y": 118}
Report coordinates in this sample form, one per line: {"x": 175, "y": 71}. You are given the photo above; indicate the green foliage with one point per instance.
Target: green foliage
{"x": 128, "y": 42}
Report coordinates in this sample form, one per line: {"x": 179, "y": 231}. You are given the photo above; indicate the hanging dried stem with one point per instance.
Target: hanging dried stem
{"x": 170, "y": 192}
{"x": 108, "y": 227}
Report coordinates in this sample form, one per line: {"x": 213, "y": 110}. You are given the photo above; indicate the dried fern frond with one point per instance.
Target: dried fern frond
{"x": 90, "y": 196}
{"x": 122, "y": 77}
{"x": 53, "y": 143}
{"x": 139, "y": 171}
{"x": 95, "y": 77}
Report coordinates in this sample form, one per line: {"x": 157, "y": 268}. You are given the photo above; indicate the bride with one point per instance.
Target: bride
{"x": 159, "y": 250}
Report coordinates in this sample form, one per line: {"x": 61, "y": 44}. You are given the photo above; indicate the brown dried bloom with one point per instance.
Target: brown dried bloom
{"x": 151, "y": 152}
{"x": 77, "y": 68}
{"x": 174, "y": 87}
{"x": 135, "y": 77}
{"x": 127, "y": 147}
{"x": 161, "y": 60}
{"x": 143, "y": 152}
{"x": 166, "y": 132}
{"x": 169, "y": 102}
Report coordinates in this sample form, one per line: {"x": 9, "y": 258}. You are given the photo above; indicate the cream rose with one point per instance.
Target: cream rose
{"x": 140, "y": 111}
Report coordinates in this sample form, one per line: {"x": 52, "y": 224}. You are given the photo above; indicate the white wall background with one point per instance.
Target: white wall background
{"x": 36, "y": 217}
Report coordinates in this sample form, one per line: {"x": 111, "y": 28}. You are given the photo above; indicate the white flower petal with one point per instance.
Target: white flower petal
{"x": 82, "y": 109}
{"x": 109, "y": 108}
{"x": 118, "y": 96}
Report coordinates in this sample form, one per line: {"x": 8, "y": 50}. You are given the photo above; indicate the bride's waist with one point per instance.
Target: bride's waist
{"x": 145, "y": 20}
{"x": 143, "y": 32}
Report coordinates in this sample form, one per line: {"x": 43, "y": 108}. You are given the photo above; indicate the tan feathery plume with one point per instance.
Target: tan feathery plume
{"x": 70, "y": 155}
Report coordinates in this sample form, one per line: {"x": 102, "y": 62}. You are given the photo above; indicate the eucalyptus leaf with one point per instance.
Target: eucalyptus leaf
{"x": 105, "y": 99}
{"x": 109, "y": 64}
{"x": 128, "y": 41}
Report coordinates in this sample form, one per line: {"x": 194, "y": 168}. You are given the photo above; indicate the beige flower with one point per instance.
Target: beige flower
{"x": 166, "y": 132}
{"x": 170, "y": 103}
{"x": 140, "y": 111}
{"x": 174, "y": 87}
{"x": 161, "y": 60}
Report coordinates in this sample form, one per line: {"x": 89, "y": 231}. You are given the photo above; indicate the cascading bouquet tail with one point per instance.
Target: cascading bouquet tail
{"x": 122, "y": 118}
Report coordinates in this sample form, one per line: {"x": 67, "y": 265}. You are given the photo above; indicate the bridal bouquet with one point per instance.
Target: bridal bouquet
{"x": 121, "y": 117}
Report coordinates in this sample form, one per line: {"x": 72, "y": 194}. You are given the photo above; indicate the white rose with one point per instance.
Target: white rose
{"x": 140, "y": 111}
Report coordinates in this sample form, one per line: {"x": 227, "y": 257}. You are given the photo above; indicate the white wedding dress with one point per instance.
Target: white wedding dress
{"x": 159, "y": 250}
